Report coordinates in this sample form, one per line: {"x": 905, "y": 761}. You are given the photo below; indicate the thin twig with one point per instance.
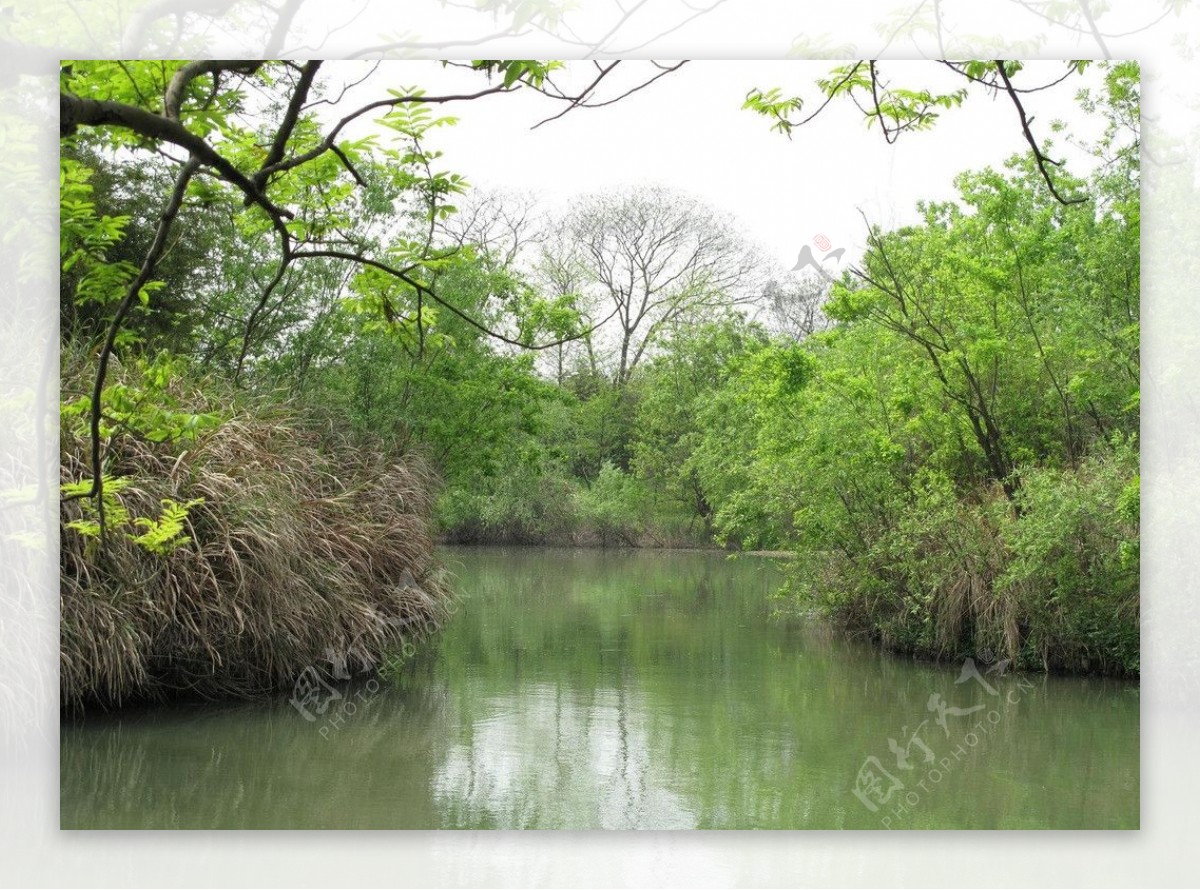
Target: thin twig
{"x": 1038, "y": 156}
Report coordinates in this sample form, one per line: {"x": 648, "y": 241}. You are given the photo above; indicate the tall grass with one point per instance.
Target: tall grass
{"x": 304, "y": 551}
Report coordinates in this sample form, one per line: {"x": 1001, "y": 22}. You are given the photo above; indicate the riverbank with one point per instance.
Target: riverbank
{"x": 235, "y": 554}
{"x": 1034, "y": 628}
{"x": 1048, "y": 579}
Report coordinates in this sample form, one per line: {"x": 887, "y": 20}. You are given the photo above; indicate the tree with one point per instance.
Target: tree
{"x": 954, "y": 461}
{"x": 676, "y": 389}
{"x": 1019, "y": 306}
{"x": 247, "y": 136}
{"x": 794, "y": 305}
{"x": 652, "y": 258}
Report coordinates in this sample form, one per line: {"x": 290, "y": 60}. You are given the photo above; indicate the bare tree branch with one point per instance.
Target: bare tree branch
{"x": 1039, "y": 157}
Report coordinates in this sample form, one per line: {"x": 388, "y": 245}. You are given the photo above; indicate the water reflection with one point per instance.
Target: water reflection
{"x": 615, "y": 690}
{"x": 544, "y": 757}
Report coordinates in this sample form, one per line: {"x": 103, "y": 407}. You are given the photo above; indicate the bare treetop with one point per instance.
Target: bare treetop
{"x": 655, "y": 256}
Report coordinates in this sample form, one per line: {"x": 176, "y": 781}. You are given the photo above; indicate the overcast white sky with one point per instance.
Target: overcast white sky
{"x": 688, "y": 132}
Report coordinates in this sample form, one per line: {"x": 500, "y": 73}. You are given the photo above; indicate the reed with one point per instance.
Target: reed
{"x": 302, "y": 548}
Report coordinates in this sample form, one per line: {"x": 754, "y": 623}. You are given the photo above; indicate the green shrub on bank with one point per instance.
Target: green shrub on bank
{"x": 613, "y": 506}
{"x": 528, "y": 506}
{"x": 521, "y": 506}
{"x": 1075, "y": 560}
{"x": 1050, "y": 583}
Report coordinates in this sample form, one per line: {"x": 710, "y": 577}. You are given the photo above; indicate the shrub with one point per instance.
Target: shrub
{"x": 1051, "y": 584}
{"x": 1075, "y": 563}
{"x": 287, "y": 549}
{"x": 521, "y": 506}
{"x": 613, "y": 507}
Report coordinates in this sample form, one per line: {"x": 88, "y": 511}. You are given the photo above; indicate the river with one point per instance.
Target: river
{"x": 625, "y": 689}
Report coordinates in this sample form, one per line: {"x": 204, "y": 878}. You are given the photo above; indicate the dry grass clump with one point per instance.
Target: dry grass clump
{"x": 971, "y": 612}
{"x": 303, "y": 552}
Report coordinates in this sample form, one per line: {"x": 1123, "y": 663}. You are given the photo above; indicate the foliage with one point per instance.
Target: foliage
{"x": 1075, "y": 562}
{"x": 160, "y": 536}
{"x": 612, "y": 505}
{"x": 676, "y": 414}
{"x": 945, "y": 439}
{"x": 269, "y": 549}
{"x": 954, "y": 461}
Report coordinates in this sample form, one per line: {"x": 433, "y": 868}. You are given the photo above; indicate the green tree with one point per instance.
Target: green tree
{"x": 246, "y": 136}
{"x": 673, "y": 415}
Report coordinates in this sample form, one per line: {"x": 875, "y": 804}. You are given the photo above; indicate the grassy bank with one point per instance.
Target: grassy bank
{"x": 239, "y": 548}
{"x": 1049, "y": 580}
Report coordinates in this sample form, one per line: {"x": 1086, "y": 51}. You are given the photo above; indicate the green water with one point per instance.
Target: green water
{"x": 589, "y": 689}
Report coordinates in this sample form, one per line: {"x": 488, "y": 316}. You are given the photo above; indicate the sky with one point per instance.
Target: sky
{"x": 688, "y": 131}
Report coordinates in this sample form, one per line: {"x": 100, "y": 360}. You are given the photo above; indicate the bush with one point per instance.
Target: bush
{"x": 528, "y": 505}
{"x": 1075, "y": 563}
{"x": 283, "y": 549}
{"x": 1049, "y": 581}
{"x": 613, "y": 507}
{"x": 521, "y": 506}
